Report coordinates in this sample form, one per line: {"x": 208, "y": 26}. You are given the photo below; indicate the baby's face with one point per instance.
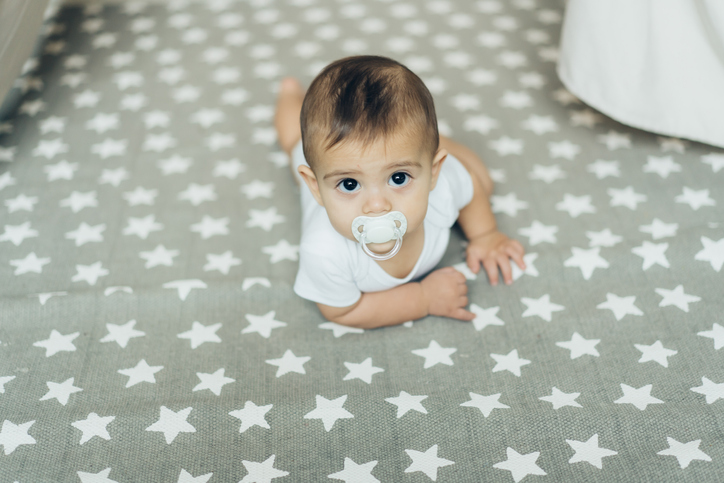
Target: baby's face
{"x": 396, "y": 175}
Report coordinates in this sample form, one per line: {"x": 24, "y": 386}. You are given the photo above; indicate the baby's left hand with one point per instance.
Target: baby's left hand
{"x": 495, "y": 250}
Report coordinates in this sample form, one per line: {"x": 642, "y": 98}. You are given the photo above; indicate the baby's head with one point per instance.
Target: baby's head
{"x": 369, "y": 134}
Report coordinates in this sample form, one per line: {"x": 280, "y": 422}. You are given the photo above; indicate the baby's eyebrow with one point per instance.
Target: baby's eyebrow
{"x": 348, "y": 172}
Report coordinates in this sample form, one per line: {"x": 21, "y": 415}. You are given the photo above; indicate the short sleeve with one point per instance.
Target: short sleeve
{"x": 460, "y": 181}
{"x": 325, "y": 281}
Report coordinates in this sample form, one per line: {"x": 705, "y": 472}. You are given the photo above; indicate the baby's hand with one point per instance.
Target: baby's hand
{"x": 445, "y": 292}
{"x": 495, "y": 250}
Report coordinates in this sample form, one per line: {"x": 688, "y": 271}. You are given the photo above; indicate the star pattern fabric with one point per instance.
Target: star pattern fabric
{"x": 149, "y": 241}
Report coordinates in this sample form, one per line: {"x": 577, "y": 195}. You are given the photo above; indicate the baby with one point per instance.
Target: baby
{"x": 381, "y": 190}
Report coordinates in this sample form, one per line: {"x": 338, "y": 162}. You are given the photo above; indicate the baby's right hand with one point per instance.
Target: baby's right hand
{"x": 445, "y": 292}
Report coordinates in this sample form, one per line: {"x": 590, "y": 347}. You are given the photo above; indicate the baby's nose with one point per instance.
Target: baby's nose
{"x": 376, "y": 202}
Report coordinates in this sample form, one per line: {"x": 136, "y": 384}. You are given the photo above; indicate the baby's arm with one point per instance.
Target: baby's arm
{"x": 442, "y": 292}
{"x": 487, "y": 246}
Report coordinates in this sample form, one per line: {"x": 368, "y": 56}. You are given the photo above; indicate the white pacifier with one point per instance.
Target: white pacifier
{"x": 380, "y": 229}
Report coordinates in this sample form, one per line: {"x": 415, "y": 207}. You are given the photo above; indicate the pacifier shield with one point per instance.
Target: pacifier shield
{"x": 379, "y": 229}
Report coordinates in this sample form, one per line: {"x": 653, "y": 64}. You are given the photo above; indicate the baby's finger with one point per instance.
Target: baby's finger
{"x": 473, "y": 263}
{"x": 492, "y": 270}
{"x": 463, "y": 314}
{"x": 517, "y": 257}
{"x": 462, "y": 301}
{"x": 505, "y": 268}
{"x": 518, "y": 247}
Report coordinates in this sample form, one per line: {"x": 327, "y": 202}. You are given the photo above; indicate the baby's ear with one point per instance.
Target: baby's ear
{"x": 311, "y": 180}
{"x": 437, "y": 160}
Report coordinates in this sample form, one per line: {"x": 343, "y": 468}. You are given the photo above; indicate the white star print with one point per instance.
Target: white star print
{"x": 655, "y": 352}
{"x": 506, "y": 146}
{"x": 715, "y": 160}
{"x": 86, "y": 234}
{"x": 200, "y": 333}
{"x": 258, "y": 189}
{"x": 575, "y": 205}
{"x": 21, "y": 202}
{"x": 614, "y": 140}
{"x": 663, "y": 166}
{"x": 60, "y": 170}
{"x": 221, "y": 262}
{"x": 658, "y": 229}
{"x": 186, "y": 477}
{"x": 580, "y": 346}
{"x": 93, "y": 425}
{"x": 676, "y": 297}
{"x": 172, "y": 423}
{"x": 17, "y": 233}
{"x": 520, "y": 465}
{"x": 542, "y": 307}
{"x": 142, "y": 372}
{"x": 481, "y": 124}
{"x": 652, "y": 253}
{"x": 262, "y": 472}
{"x": 339, "y": 330}
{"x": 354, "y": 473}
{"x": 122, "y": 333}
{"x": 710, "y": 389}
{"x": 620, "y": 306}
{"x": 508, "y": 204}
{"x": 603, "y": 238}
{"x": 435, "y": 354}
{"x": 265, "y": 219}
{"x": 640, "y": 397}
{"x": 3, "y": 381}
{"x": 31, "y": 263}
{"x": 140, "y": 196}
{"x": 406, "y": 402}
{"x": 159, "y": 256}
{"x": 60, "y": 391}
{"x": 603, "y": 169}
{"x": 561, "y": 399}
{"x": 213, "y": 382}
{"x": 626, "y": 197}
{"x": 89, "y": 273}
{"x": 685, "y": 453}
{"x": 197, "y": 194}
{"x": 100, "y": 477}
{"x": 713, "y": 252}
{"x": 142, "y": 227}
{"x": 329, "y": 411}
{"x": 548, "y": 174}
{"x": 209, "y": 227}
{"x": 44, "y": 297}
{"x": 563, "y": 149}
{"x": 184, "y": 287}
{"x": 252, "y": 415}
{"x": 175, "y": 164}
{"x": 110, "y": 147}
{"x": 113, "y": 176}
{"x": 485, "y": 317}
{"x": 586, "y": 260}
{"x": 14, "y": 435}
{"x": 695, "y": 199}
{"x": 716, "y": 333}
{"x": 589, "y": 451}
{"x": 485, "y": 404}
{"x": 509, "y": 362}
{"x": 262, "y": 324}
{"x": 229, "y": 169}
{"x": 540, "y": 233}
{"x": 426, "y": 462}
{"x": 289, "y": 363}
{"x": 57, "y": 343}
{"x": 282, "y": 251}
{"x": 363, "y": 371}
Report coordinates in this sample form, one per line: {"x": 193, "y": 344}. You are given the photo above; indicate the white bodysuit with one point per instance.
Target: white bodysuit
{"x": 334, "y": 270}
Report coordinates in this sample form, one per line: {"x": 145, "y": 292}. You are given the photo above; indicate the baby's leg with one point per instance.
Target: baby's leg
{"x": 470, "y": 160}
{"x": 286, "y": 117}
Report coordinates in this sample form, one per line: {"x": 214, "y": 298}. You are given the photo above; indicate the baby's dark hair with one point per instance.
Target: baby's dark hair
{"x": 363, "y": 98}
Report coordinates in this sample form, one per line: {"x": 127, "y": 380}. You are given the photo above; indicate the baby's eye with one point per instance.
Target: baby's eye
{"x": 348, "y": 185}
{"x": 399, "y": 179}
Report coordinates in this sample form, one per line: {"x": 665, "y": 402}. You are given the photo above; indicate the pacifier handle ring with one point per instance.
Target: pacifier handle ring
{"x": 384, "y": 256}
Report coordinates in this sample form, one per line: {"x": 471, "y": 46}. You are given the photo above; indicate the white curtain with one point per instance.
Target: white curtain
{"x": 656, "y": 65}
